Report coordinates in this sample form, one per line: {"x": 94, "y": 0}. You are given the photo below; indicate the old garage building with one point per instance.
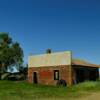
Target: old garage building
{"x": 60, "y": 68}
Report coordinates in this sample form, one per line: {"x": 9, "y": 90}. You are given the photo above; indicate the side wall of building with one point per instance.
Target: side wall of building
{"x": 45, "y": 75}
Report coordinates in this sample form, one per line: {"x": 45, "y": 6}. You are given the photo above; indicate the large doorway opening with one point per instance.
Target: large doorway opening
{"x": 86, "y": 74}
{"x": 35, "y": 80}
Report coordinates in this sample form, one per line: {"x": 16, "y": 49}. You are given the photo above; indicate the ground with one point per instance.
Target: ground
{"x": 93, "y": 96}
{"x": 24, "y": 91}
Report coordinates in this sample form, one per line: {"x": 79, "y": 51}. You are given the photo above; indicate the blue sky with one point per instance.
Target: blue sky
{"x": 57, "y": 24}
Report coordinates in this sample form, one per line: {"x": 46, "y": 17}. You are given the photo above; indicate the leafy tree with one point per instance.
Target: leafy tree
{"x": 10, "y": 52}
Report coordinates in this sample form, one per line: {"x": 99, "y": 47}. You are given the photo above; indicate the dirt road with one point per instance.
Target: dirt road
{"x": 93, "y": 96}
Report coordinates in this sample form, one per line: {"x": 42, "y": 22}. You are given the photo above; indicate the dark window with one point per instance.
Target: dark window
{"x": 56, "y": 74}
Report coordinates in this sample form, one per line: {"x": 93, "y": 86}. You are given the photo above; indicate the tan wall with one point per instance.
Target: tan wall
{"x": 53, "y": 59}
{"x": 46, "y": 74}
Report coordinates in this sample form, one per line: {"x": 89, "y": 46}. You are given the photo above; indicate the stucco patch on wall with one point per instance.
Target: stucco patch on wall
{"x": 53, "y": 59}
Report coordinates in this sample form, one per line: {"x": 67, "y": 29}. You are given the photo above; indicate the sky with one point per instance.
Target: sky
{"x": 56, "y": 24}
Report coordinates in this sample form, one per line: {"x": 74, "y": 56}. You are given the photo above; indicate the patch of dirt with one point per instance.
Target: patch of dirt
{"x": 93, "y": 96}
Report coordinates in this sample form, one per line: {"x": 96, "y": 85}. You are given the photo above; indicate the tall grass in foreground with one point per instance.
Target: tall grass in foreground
{"x": 24, "y": 91}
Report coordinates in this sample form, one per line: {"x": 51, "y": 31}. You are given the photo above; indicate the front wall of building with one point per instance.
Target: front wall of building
{"x": 45, "y": 75}
{"x": 53, "y": 59}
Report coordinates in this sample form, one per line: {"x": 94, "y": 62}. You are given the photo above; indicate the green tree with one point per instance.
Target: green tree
{"x": 10, "y": 53}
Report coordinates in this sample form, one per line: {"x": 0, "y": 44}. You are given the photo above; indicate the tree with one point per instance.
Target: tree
{"x": 10, "y": 52}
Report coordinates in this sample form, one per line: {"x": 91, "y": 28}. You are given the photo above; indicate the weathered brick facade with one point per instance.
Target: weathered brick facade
{"x": 45, "y": 75}
{"x": 42, "y": 69}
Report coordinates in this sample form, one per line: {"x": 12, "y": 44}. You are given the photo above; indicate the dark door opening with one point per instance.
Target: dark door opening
{"x": 86, "y": 74}
{"x": 80, "y": 75}
{"x": 35, "y": 77}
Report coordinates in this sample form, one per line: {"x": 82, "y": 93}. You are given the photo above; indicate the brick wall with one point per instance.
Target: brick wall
{"x": 46, "y": 74}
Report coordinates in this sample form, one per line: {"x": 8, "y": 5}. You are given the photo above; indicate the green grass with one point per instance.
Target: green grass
{"x": 23, "y": 91}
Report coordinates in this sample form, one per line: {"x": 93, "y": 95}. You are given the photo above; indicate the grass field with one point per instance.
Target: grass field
{"x": 23, "y": 91}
